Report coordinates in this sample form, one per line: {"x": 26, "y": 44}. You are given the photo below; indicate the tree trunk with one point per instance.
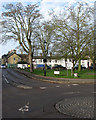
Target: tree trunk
{"x": 30, "y": 61}
{"x": 73, "y": 68}
{"x": 79, "y": 65}
{"x": 45, "y": 68}
{"x": 94, "y": 64}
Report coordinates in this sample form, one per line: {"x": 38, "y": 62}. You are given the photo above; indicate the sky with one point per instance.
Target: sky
{"x": 45, "y": 6}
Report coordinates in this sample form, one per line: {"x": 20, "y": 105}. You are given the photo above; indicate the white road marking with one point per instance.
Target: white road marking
{"x": 6, "y": 80}
{"x": 25, "y": 108}
{"x": 75, "y": 84}
{"x": 42, "y": 88}
{"x": 24, "y": 87}
{"x": 3, "y": 75}
{"x": 94, "y": 92}
{"x": 71, "y": 92}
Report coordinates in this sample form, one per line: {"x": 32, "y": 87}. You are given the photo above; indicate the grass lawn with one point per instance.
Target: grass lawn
{"x": 84, "y": 74}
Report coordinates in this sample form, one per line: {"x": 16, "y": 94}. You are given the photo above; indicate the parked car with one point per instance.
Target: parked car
{"x": 48, "y": 67}
{"x": 82, "y": 67}
{"x": 41, "y": 66}
{"x": 3, "y": 66}
{"x": 58, "y": 67}
{"x": 92, "y": 67}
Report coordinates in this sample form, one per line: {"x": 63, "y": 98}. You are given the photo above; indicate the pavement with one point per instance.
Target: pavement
{"x": 78, "y": 107}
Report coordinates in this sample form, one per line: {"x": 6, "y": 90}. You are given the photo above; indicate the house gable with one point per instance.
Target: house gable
{"x": 14, "y": 59}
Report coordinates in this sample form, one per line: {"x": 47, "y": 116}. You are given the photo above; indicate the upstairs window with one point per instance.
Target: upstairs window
{"x": 55, "y": 61}
{"x": 65, "y": 60}
{"x": 70, "y": 60}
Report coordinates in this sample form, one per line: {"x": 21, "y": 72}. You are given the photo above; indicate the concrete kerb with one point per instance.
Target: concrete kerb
{"x": 56, "y": 80}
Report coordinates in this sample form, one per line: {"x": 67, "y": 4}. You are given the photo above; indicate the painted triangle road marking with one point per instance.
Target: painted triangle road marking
{"x": 25, "y": 108}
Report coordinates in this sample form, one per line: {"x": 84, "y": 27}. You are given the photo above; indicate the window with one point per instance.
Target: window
{"x": 41, "y": 60}
{"x": 70, "y": 60}
{"x": 55, "y": 61}
{"x": 65, "y": 60}
{"x": 14, "y": 59}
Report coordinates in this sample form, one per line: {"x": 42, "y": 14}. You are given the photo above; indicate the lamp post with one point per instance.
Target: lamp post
{"x": 32, "y": 57}
{"x": 45, "y": 60}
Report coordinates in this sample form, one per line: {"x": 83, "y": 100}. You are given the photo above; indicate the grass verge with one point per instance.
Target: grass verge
{"x": 83, "y": 74}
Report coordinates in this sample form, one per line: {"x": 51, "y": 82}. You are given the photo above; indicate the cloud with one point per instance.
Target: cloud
{"x": 45, "y": 7}
{"x": 59, "y": 5}
{"x": 45, "y": 1}
{"x": 23, "y": 1}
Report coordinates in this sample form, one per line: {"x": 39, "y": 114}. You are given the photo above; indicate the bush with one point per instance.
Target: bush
{"x": 22, "y": 62}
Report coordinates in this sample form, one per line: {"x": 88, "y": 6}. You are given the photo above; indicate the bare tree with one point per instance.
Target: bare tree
{"x": 74, "y": 31}
{"x": 45, "y": 33}
{"x": 90, "y": 48}
{"x": 19, "y": 23}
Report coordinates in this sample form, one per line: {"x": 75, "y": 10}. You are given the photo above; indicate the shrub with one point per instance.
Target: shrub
{"x": 22, "y": 62}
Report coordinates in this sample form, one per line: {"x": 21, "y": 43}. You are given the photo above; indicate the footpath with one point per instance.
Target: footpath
{"x": 56, "y": 80}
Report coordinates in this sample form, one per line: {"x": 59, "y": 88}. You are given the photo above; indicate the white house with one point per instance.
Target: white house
{"x": 51, "y": 61}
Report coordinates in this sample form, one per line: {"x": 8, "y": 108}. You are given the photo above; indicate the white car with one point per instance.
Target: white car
{"x": 3, "y": 66}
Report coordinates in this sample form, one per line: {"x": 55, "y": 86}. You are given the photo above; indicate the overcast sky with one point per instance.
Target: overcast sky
{"x": 45, "y": 6}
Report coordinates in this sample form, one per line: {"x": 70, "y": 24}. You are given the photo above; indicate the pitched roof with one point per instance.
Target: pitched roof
{"x": 23, "y": 55}
{"x": 11, "y": 54}
{"x": 4, "y": 56}
{"x": 48, "y": 57}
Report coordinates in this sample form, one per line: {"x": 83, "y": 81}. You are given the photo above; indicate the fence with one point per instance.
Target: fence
{"x": 11, "y": 65}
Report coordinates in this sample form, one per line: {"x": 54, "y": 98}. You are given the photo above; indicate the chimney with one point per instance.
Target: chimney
{"x": 14, "y": 51}
{"x": 8, "y": 52}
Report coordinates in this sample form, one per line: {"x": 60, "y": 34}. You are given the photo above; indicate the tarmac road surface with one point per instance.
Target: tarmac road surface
{"x": 23, "y": 97}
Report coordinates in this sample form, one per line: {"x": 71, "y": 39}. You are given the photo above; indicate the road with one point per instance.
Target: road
{"x": 41, "y": 97}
